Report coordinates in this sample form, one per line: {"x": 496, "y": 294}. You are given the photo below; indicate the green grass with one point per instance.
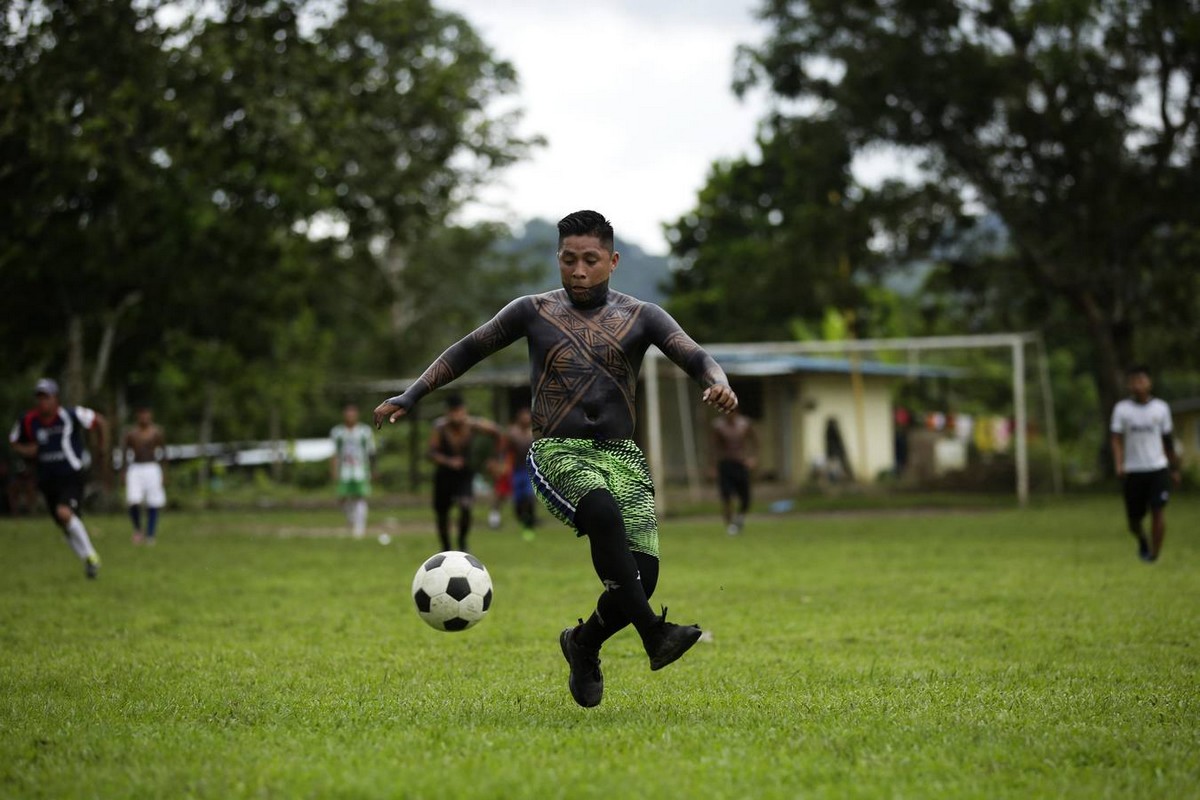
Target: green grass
{"x": 987, "y": 654}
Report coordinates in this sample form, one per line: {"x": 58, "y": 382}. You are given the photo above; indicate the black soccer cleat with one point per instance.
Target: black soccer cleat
{"x": 91, "y": 567}
{"x": 670, "y": 641}
{"x": 586, "y": 682}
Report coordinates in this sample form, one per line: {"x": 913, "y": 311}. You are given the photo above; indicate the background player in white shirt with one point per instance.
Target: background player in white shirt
{"x": 1145, "y": 459}
{"x": 353, "y": 465}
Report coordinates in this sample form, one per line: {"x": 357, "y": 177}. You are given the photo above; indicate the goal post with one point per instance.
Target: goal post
{"x": 853, "y": 349}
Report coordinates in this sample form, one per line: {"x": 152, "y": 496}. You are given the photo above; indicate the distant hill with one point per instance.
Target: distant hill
{"x": 640, "y": 274}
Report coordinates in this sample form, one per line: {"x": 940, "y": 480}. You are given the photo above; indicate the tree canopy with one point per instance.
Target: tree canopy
{"x": 1075, "y": 124}
{"x": 209, "y": 199}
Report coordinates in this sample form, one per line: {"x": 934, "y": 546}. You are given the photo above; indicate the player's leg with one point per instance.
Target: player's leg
{"x": 725, "y": 491}
{"x": 344, "y": 501}
{"x": 359, "y": 524}
{"x": 1134, "y": 493}
{"x": 442, "y": 502}
{"x": 598, "y": 517}
{"x": 65, "y": 500}
{"x": 356, "y": 507}
{"x": 134, "y": 496}
{"x": 156, "y": 498}
{"x": 464, "y": 497}
{"x": 1158, "y": 495}
{"x": 609, "y": 618}
{"x": 741, "y": 488}
{"x": 501, "y": 490}
{"x": 572, "y": 478}
{"x": 135, "y": 516}
{"x": 629, "y": 478}
{"x": 581, "y": 644}
{"x": 1158, "y": 532}
{"x": 619, "y": 521}
{"x": 522, "y": 492}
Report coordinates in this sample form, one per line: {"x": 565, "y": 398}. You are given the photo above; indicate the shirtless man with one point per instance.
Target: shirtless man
{"x": 586, "y": 346}
{"x": 735, "y": 448}
{"x": 145, "y": 449}
{"x": 454, "y": 479}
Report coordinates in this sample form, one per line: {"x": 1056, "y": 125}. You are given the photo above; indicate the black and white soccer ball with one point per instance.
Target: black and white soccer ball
{"x": 452, "y": 591}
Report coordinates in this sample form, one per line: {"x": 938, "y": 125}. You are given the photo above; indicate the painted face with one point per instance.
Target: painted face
{"x": 585, "y": 266}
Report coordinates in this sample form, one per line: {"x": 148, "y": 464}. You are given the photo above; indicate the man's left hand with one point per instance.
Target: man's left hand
{"x": 721, "y": 397}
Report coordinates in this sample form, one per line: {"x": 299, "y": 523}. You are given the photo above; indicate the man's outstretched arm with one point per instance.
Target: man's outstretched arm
{"x": 668, "y": 336}
{"x": 495, "y": 334}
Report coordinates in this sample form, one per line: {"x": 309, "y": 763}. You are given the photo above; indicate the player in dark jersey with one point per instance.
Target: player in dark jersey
{"x": 519, "y": 441}
{"x": 586, "y": 345}
{"x": 53, "y": 434}
{"x": 454, "y": 478}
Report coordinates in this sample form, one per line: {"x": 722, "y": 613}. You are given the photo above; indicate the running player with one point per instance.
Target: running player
{"x": 586, "y": 345}
{"x": 353, "y": 466}
{"x": 145, "y": 454}
{"x": 519, "y": 438}
{"x": 454, "y": 478}
{"x": 734, "y": 446}
{"x": 1145, "y": 460}
{"x": 53, "y": 435}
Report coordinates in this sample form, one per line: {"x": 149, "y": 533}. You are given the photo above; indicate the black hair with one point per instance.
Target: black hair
{"x": 454, "y": 401}
{"x": 1137, "y": 369}
{"x": 587, "y": 223}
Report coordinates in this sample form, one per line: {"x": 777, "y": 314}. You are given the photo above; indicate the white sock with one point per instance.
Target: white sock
{"x": 359, "y": 514}
{"x": 77, "y": 537}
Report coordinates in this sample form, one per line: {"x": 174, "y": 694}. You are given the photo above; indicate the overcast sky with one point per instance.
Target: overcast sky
{"x": 633, "y": 97}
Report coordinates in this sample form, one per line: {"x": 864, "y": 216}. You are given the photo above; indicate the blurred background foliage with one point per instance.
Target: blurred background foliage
{"x": 242, "y": 211}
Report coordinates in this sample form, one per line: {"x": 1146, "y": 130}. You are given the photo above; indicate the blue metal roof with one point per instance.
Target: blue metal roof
{"x": 760, "y": 365}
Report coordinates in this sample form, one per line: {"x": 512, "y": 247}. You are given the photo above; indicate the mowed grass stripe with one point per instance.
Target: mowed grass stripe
{"x": 988, "y": 654}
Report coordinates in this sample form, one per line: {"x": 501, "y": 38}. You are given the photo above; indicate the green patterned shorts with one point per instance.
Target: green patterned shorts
{"x": 564, "y": 470}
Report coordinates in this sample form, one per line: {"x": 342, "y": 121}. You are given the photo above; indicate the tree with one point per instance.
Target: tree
{"x": 191, "y": 190}
{"x": 780, "y": 242}
{"x": 1077, "y": 123}
{"x": 766, "y": 245}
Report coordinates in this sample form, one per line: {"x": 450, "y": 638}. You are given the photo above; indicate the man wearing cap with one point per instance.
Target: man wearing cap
{"x": 53, "y": 435}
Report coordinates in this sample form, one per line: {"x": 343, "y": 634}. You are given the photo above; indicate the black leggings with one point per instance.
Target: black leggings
{"x": 629, "y": 577}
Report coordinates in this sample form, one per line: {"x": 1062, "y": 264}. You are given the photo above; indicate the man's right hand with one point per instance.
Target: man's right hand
{"x": 389, "y": 411}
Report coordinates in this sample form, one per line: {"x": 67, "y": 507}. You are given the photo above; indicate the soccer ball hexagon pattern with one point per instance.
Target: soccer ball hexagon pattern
{"x": 452, "y": 591}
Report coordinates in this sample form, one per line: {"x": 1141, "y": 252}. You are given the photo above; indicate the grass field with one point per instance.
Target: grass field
{"x": 988, "y": 654}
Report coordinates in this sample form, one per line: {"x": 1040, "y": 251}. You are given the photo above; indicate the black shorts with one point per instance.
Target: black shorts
{"x": 62, "y": 490}
{"x": 733, "y": 480}
{"x": 1146, "y": 490}
{"x": 452, "y": 487}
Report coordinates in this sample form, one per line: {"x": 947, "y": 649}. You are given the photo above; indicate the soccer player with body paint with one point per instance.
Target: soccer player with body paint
{"x": 586, "y": 345}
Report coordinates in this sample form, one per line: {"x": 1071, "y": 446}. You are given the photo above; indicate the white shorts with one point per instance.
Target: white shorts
{"x": 144, "y": 484}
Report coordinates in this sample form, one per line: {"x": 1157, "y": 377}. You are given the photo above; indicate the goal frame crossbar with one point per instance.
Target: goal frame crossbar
{"x": 1016, "y": 343}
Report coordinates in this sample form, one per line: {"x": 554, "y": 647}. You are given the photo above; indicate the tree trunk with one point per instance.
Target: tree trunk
{"x": 1112, "y": 343}
{"x": 74, "y": 377}
{"x": 206, "y": 426}
{"x": 108, "y": 338}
